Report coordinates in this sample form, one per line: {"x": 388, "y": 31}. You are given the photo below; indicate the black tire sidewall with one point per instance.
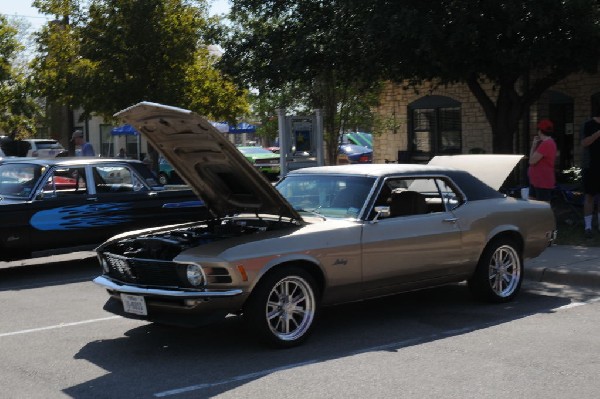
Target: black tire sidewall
{"x": 255, "y": 308}
{"x": 479, "y": 283}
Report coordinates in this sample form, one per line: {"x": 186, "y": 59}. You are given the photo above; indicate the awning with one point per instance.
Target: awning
{"x": 124, "y": 130}
{"x": 242, "y": 127}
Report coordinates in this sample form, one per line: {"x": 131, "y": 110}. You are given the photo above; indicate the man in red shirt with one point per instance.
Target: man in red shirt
{"x": 541, "y": 162}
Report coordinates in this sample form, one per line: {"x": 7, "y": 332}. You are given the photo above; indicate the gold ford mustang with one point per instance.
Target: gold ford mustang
{"x": 322, "y": 236}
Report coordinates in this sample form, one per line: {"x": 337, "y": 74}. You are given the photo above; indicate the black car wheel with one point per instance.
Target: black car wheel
{"x": 499, "y": 273}
{"x": 283, "y": 307}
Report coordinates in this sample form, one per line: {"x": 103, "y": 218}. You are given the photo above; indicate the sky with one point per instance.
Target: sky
{"x": 23, "y": 9}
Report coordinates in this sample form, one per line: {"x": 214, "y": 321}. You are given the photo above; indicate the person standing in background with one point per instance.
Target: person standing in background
{"x": 542, "y": 178}
{"x": 87, "y": 150}
{"x": 590, "y": 171}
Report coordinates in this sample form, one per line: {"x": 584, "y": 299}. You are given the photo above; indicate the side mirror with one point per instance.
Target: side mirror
{"x": 381, "y": 212}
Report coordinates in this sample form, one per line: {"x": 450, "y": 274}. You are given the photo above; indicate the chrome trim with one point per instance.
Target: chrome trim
{"x": 131, "y": 289}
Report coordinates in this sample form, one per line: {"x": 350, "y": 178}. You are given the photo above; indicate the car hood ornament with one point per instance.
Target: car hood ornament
{"x": 213, "y": 167}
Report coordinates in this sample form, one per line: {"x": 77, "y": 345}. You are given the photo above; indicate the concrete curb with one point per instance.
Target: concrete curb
{"x": 563, "y": 276}
{"x": 567, "y": 265}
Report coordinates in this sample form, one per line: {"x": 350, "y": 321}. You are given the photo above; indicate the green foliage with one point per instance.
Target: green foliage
{"x": 210, "y": 93}
{"x": 18, "y": 109}
{"x": 277, "y": 45}
{"x": 519, "y": 47}
{"x": 121, "y": 52}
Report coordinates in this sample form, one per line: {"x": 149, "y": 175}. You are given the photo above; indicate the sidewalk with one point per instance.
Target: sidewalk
{"x": 568, "y": 265}
{"x": 559, "y": 264}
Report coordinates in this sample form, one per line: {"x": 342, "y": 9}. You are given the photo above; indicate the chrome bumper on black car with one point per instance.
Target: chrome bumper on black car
{"x": 135, "y": 290}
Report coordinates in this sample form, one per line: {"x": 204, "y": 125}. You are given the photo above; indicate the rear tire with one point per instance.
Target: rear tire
{"x": 283, "y": 307}
{"x": 163, "y": 178}
{"x": 499, "y": 273}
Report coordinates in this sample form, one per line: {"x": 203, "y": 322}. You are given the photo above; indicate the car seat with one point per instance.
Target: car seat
{"x": 404, "y": 203}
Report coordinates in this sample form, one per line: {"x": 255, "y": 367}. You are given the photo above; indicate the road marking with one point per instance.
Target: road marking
{"x": 577, "y": 304}
{"x": 47, "y": 283}
{"x": 384, "y": 347}
{"x": 232, "y": 379}
{"x": 62, "y": 325}
{"x": 571, "y": 305}
{"x": 243, "y": 377}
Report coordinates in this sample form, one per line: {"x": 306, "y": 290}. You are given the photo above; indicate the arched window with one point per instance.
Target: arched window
{"x": 435, "y": 127}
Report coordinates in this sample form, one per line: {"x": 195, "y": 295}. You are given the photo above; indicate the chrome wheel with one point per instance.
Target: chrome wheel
{"x": 499, "y": 272}
{"x": 163, "y": 179}
{"x": 290, "y": 308}
{"x": 504, "y": 271}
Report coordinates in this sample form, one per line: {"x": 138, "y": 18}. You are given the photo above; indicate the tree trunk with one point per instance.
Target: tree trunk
{"x": 503, "y": 115}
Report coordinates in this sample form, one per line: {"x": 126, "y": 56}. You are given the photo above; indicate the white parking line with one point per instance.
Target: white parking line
{"x": 577, "y": 304}
{"x": 62, "y": 325}
{"x": 232, "y": 379}
{"x": 46, "y": 284}
{"x": 390, "y": 346}
{"x": 243, "y": 377}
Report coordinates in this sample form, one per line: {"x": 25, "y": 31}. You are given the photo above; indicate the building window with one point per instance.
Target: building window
{"x": 435, "y": 128}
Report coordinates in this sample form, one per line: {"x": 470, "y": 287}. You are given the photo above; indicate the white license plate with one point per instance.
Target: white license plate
{"x": 134, "y": 304}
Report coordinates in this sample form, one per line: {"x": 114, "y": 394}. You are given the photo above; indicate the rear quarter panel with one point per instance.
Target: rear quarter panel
{"x": 483, "y": 220}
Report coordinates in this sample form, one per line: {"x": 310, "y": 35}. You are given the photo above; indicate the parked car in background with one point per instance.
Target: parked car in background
{"x": 322, "y": 236}
{"x": 264, "y": 160}
{"x": 53, "y": 203}
{"x": 352, "y": 153}
{"x": 166, "y": 173}
{"x": 358, "y": 138}
{"x": 44, "y": 148}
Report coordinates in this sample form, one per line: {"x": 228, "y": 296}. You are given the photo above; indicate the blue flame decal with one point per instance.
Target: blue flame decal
{"x": 77, "y": 217}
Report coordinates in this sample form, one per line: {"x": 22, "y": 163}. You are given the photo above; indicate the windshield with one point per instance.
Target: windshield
{"x": 18, "y": 180}
{"x": 333, "y": 196}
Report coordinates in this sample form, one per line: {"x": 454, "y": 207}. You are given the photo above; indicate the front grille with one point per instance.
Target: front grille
{"x": 144, "y": 271}
{"x": 158, "y": 273}
{"x": 267, "y": 162}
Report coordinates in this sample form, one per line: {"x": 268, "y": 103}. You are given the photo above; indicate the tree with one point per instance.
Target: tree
{"x": 54, "y": 68}
{"x": 520, "y": 47}
{"x": 19, "y": 110}
{"x": 124, "y": 51}
{"x": 278, "y": 44}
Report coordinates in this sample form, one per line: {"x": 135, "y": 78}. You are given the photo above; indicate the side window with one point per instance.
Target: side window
{"x": 417, "y": 196}
{"x": 64, "y": 182}
{"x": 451, "y": 198}
{"x": 117, "y": 179}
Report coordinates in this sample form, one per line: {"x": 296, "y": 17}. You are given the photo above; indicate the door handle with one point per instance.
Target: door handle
{"x": 451, "y": 220}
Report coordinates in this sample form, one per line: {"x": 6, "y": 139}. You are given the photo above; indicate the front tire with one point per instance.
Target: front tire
{"x": 499, "y": 273}
{"x": 283, "y": 307}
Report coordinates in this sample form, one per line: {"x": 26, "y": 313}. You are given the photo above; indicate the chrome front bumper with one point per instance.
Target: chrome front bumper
{"x": 131, "y": 289}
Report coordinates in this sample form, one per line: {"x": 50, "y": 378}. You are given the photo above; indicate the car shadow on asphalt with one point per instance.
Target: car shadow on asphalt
{"x": 163, "y": 361}
{"x": 48, "y": 274}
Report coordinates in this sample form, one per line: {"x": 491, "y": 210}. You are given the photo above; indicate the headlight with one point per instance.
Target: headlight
{"x": 194, "y": 274}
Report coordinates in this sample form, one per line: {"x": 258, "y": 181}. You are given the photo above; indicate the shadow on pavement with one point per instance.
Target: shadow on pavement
{"x": 160, "y": 361}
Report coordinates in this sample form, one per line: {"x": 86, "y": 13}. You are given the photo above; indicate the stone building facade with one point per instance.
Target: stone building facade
{"x": 416, "y": 124}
